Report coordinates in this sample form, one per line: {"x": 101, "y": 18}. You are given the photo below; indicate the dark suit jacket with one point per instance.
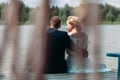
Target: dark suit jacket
{"x": 58, "y": 41}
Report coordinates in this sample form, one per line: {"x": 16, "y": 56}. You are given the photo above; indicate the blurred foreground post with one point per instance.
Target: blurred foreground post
{"x": 36, "y": 55}
{"x": 88, "y": 11}
{"x": 10, "y": 38}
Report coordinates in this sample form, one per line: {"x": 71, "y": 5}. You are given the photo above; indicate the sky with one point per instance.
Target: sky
{"x": 61, "y": 3}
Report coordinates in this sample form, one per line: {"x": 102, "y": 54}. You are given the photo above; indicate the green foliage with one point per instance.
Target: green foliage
{"x": 110, "y": 16}
{"x": 61, "y": 12}
{"x": 24, "y": 13}
{"x": 0, "y": 11}
{"x": 55, "y": 11}
{"x": 118, "y": 18}
{"x": 108, "y": 13}
{"x": 2, "y": 7}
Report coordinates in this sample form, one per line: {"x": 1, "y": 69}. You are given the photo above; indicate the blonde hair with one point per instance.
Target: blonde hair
{"x": 74, "y": 21}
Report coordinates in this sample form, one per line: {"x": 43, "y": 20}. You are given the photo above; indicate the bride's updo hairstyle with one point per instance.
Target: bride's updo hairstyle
{"x": 74, "y": 21}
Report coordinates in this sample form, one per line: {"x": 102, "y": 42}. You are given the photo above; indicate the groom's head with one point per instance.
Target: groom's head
{"x": 55, "y": 22}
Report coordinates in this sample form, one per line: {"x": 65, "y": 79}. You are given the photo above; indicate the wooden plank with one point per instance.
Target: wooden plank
{"x": 105, "y": 76}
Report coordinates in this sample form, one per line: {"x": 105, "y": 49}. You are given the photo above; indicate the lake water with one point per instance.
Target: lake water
{"x": 110, "y": 42}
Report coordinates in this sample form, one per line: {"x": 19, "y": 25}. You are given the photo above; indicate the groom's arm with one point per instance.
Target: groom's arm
{"x": 76, "y": 48}
{"x": 79, "y": 50}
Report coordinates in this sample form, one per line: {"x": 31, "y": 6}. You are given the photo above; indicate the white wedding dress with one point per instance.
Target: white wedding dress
{"x": 78, "y": 65}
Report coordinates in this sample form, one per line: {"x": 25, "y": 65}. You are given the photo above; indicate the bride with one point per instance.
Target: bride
{"x": 76, "y": 63}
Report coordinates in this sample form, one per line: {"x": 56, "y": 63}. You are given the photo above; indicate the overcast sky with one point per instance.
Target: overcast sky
{"x": 61, "y": 3}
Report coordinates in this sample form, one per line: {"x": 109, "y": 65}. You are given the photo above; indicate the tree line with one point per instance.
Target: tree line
{"x": 24, "y": 13}
{"x": 109, "y": 13}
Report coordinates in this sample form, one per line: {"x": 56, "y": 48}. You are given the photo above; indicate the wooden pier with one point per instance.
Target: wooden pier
{"x": 85, "y": 76}
{"x": 105, "y": 76}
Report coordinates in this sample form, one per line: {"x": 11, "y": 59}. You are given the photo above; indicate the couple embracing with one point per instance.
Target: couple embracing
{"x": 74, "y": 43}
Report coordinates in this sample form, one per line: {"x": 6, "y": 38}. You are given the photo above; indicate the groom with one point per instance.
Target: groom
{"x": 58, "y": 41}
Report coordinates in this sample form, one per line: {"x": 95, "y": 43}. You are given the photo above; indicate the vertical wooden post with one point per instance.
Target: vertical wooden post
{"x": 89, "y": 14}
{"x": 10, "y": 37}
{"x": 36, "y": 55}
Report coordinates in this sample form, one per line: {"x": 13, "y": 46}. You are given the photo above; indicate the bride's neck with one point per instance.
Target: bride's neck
{"x": 75, "y": 33}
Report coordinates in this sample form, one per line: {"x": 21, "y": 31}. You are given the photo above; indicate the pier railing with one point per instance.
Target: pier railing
{"x": 118, "y": 56}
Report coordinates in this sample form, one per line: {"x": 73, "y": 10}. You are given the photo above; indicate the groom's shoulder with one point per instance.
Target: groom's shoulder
{"x": 63, "y": 32}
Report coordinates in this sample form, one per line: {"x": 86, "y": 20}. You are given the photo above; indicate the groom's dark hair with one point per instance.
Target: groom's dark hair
{"x": 55, "y": 21}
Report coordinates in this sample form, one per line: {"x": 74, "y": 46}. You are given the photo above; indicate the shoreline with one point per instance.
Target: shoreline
{"x": 65, "y": 24}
